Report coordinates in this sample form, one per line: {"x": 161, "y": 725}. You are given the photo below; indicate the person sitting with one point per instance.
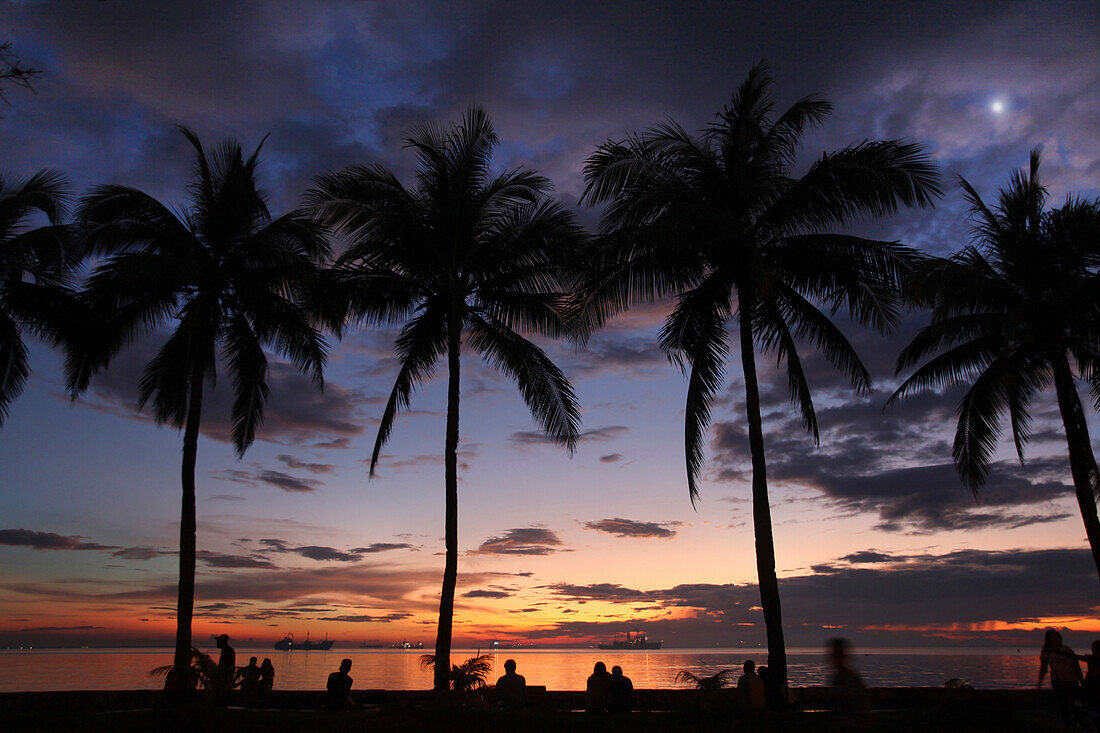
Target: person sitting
{"x": 339, "y": 688}
{"x": 511, "y": 689}
{"x": 267, "y": 678}
{"x": 751, "y": 694}
{"x": 250, "y": 681}
{"x": 620, "y": 692}
{"x": 595, "y": 694}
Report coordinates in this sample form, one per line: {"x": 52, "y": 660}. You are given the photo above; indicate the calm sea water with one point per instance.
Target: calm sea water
{"x": 557, "y": 669}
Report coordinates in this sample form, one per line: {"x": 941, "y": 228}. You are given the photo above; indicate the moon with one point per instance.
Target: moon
{"x": 997, "y": 107}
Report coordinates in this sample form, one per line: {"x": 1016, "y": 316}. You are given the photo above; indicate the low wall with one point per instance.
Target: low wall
{"x": 806, "y": 698}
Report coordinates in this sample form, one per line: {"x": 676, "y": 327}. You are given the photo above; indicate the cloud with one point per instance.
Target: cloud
{"x": 313, "y": 552}
{"x": 522, "y": 541}
{"x": 221, "y": 560}
{"x": 278, "y": 479}
{"x": 297, "y": 411}
{"x": 857, "y": 468}
{"x": 629, "y": 528}
{"x": 323, "y": 553}
{"x": 381, "y": 547}
{"x": 368, "y": 618}
{"x": 611, "y": 458}
{"x": 292, "y": 462}
{"x": 63, "y": 628}
{"x": 47, "y": 540}
{"x": 531, "y": 437}
{"x": 487, "y": 594}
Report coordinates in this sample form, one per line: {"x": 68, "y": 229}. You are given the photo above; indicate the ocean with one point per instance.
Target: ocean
{"x": 557, "y": 669}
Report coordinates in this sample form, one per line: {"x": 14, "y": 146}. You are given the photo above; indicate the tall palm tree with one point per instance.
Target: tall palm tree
{"x": 720, "y": 223}
{"x": 1012, "y": 314}
{"x": 227, "y": 280}
{"x": 36, "y": 267}
{"x": 463, "y": 259}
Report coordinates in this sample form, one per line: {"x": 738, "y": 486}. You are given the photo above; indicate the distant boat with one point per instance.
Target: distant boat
{"x": 365, "y": 645}
{"x": 408, "y": 645}
{"x": 632, "y": 641}
{"x": 288, "y": 644}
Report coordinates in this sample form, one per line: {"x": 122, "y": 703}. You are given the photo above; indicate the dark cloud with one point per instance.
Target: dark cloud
{"x": 297, "y": 411}
{"x": 530, "y": 437}
{"x": 629, "y": 528}
{"x": 314, "y": 552}
{"x": 369, "y": 618}
{"x": 221, "y": 560}
{"x": 47, "y": 540}
{"x": 143, "y": 552}
{"x": 292, "y": 462}
{"x": 278, "y": 479}
{"x": 611, "y": 458}
{"x": 382, "y": 547}
{"x": 487, "y": 594}
{"x": 857, "y": 467}
{"x": 63, "y": 628}
{"x": 522, "y": 541}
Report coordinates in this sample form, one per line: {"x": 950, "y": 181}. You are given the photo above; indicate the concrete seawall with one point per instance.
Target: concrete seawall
{"x": 806, "y": 698}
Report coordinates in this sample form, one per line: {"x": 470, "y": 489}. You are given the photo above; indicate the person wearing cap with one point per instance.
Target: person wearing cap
{"x": 227, "y": 668}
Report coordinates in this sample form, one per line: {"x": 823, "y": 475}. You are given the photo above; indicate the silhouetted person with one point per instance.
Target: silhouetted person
{"x": 595, "y": 694}
{"x": 1092, "y": 676}
{"x": 267, "y": 678}
{"x": 751, "y": 694}
{"x": 511, "y": 689}
{"x": 1065, "y": 672}
{"x": 339, "y": 688}
{"x": 227, "y": 669}
{"x": 847, "y": 695}
{"x": 250, "y": 681}
{"x": 620, "y": 692}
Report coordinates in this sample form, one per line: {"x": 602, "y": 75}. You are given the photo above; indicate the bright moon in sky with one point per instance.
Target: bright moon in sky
{"x": 997, "y": 107}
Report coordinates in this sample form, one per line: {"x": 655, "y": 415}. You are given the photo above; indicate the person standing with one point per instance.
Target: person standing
{"x": 227, "y": 669}
{"x": 1065, "y": 673}
{"x": 620, "y": 692}
{"x": 339, "y": 688}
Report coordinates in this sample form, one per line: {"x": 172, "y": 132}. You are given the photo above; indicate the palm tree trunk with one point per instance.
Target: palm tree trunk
{"x": 1082, "y": 463}
{"x": 761, "y": 510}
{"x": 450, "y": 458}
{"x": 185, "y": 601}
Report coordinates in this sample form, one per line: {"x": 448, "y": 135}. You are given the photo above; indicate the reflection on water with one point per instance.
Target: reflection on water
{"x": 557, "y": 669}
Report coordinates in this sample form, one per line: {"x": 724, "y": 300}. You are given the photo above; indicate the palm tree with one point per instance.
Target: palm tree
{"x": 464, "y": 259}
{"x": 1012, "y": 314}
{"x": 711, "y": 683}
{"x": 36, "y": 266}
{"x": 227, "y": 280}
{"x": 719, "y": 223}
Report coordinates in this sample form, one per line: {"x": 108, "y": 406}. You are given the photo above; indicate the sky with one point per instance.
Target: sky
{"x": 876, "y": 537}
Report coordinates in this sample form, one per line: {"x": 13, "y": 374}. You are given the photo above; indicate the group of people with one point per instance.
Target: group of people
{"x": 611, "y": 693}
{"x": 1066, "y": 680}
{"x": 254, "y": 680}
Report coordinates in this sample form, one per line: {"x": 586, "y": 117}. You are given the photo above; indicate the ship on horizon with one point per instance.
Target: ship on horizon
{"x": 637, "y": 640}
{"x": 288, "y": 644}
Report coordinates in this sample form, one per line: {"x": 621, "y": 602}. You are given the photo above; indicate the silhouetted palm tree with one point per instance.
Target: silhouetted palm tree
{"x": 227, "y": 280}
{"x": 464, "y": 259}
{"x": 1011, "y": 314}
{"x": 35, "y": 271}
{"x": 719, "y": 222}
